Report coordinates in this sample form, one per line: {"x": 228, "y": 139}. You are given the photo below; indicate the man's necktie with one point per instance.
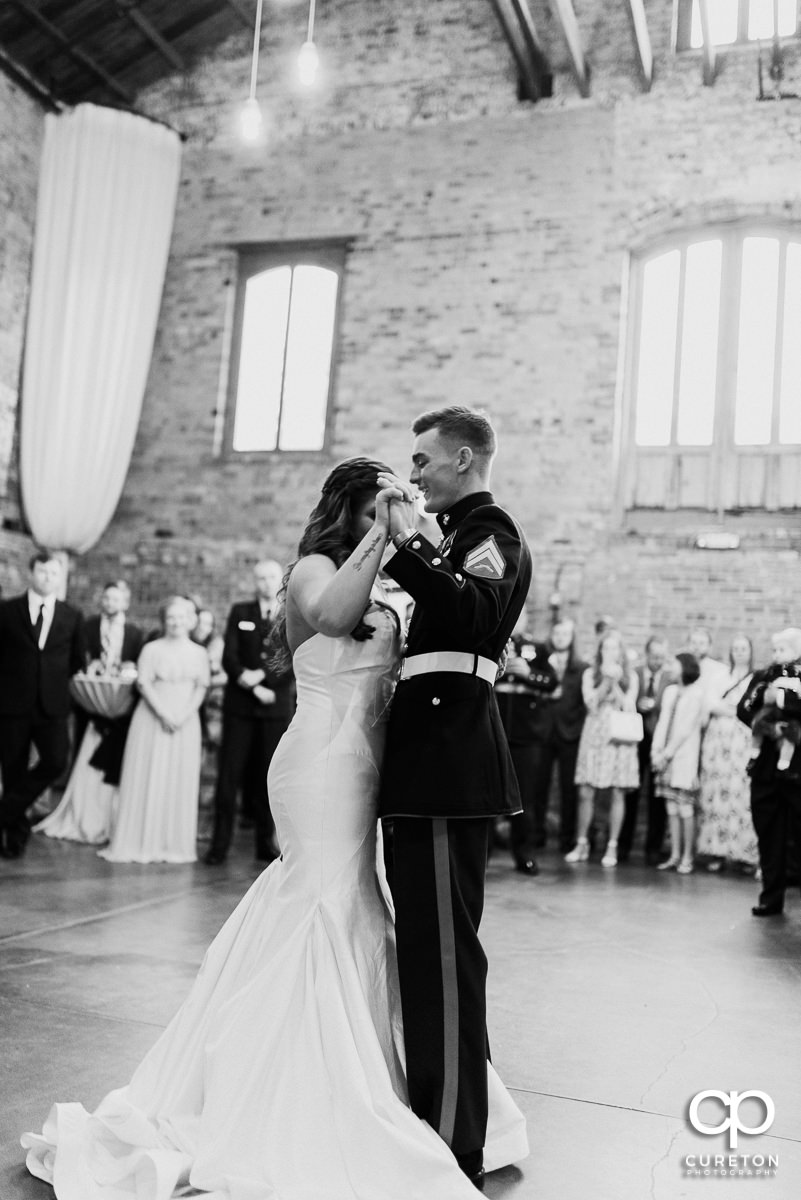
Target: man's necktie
{"x": 37, "y": 625}
{"x": 649, "y": 691}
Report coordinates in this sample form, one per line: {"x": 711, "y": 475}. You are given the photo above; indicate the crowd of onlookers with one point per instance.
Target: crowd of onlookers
{"x": 685, "y": 757}
{"x": 703, "y": 750}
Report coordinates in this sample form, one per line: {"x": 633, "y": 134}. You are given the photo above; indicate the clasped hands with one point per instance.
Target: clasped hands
{"x": 395, "y": 508}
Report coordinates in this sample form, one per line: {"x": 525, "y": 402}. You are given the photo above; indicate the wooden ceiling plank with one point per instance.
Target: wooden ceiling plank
{"x": 570, "y": 29}
{"x": 248, "y": 19}
{"x": 533, "y": 69}
{"x": 642, "y": 42}
{"x": 130, "y": 9}
{"x": 708, "y": 56}
{"x": 75, "y": 52}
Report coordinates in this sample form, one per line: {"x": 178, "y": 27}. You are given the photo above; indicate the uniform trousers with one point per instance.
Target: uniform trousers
{"x": 21, "y": 783}
{"x": 523, "y": 825}
{"x": 246, "y": 750}
{"x": 438, "y": 889}
{"x": 776, "y": 813}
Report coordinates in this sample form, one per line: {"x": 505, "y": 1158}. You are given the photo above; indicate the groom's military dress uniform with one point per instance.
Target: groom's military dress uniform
{"x": 447, "y": 773}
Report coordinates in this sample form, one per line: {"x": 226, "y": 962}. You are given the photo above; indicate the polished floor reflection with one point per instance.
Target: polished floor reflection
{"x": 615, "y": 998}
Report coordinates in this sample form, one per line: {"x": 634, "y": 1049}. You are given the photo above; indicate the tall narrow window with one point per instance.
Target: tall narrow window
{"x": 733, "y": 21}
{"x": 713, "y": 411}
{"x": 286, "y": 320}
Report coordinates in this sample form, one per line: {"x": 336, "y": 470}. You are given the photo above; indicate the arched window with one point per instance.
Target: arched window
{"x": 712, "y": 412}
{"x": 283, "y": 340}
{"x": 732, "y": 21}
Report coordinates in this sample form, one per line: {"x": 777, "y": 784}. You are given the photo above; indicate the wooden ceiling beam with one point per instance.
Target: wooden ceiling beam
{"x": 75, "y": 52}
{"x": 248, "y": 19}
{"x": 578, "y": 59}
{"x": 533, "y": 69}
{"x": 29, "y": 83}
{"x": 642, "y": 42}
{"x": 709, "y": 58}
{"x": 130, "y": 10}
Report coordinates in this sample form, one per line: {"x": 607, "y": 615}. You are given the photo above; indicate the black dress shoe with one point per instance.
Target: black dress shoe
{"x": 527, "y": 866}
{"x": 767, "y": 910}
{"x": 477, "y": 1180}
{"x": 214, "y": 858}
{"x": 266, "y": 854}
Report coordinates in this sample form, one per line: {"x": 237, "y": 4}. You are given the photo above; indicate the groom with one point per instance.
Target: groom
{"x": 447, "y": 769}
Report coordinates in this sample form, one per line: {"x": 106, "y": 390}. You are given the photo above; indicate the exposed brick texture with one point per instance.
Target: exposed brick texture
{"x": 488, "y": 245}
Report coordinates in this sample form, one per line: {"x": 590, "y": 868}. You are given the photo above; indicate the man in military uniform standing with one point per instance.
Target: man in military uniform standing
{"x": 257, "y": 706}
{"x": 447, "y": 770}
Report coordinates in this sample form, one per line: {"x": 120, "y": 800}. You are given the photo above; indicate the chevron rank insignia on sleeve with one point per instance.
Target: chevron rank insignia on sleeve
{"x": 485, "y": 561}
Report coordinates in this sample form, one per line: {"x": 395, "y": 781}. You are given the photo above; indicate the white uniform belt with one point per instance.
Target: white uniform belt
{"x": 449, "y": 660}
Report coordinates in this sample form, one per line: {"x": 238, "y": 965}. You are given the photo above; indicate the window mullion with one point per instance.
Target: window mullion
{"x": 779, "y": 347}
{"x": 731, "y": 282}
{"x": 742, "y": 20}
{"x": 674, "y": 419}
{"x": 286, "y": 351}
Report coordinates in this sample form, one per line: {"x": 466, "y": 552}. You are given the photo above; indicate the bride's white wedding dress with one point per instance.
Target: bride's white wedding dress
{"x": 281, "y": 1076}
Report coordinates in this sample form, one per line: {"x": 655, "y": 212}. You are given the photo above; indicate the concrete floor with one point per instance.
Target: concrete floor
{"x": 615, "y": 997}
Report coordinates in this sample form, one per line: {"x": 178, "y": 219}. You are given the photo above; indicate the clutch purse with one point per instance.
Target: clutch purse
{"x": 625, "y": 728}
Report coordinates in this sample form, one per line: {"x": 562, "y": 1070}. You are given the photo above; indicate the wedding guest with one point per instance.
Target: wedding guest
{"x": 257, "y": 706}
{"x": 205, "y": 635}
{"x": 41, "y": 647}
{"x": 775, "y": 795}
{"x": 608, "y": 687}
{"x": 559, "y": 720}
{"x": 157, "y": 818}
{"x": 726, "y": 832}
{"x": 674, "y": 753}
{"x": 713, "y": 672}
{"x": 774, "y": 720}
{"x": 653, "y": 676}
{"x": 527, "y": 678}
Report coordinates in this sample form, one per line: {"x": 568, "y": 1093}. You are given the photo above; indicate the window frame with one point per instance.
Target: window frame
{"x": 252, "y": 259}
{"x": 723, "y": 453}
{"x": 683, "y": 19}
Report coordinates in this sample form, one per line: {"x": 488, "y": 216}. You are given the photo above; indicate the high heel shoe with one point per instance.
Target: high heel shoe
{"x": 579, "y": 853}
{"x": 610, "y": 857}
{"x": 670, "y": 864}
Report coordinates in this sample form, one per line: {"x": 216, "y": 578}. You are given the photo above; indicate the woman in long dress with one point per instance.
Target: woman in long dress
{"x": 160, "y": 781}
{"x": 726, "y": 832}
{"x": 282, "y": 1075}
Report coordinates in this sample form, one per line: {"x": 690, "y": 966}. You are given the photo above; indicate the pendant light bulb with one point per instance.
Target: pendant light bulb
{"x": 251, "y": 122}
{"x": 308, "y": 63}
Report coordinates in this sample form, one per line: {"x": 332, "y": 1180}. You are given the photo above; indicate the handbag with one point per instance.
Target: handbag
{"x": 625, "y": 728}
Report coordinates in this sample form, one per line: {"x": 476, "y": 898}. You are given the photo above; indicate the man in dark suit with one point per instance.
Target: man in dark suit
{"x": 447, "y": 771}
{"x": 257, "y": 707}
{"x": 652, "y": 678}
{"x": 41, "y": 647}
{"x": 559, "y": 720}
{"x": 111, "y": 640}
{"x": 527, "y": 679}
{"x": 775, "y": 794}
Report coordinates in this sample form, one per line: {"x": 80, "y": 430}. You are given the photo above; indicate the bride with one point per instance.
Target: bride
{"x": 282, "y": 1077}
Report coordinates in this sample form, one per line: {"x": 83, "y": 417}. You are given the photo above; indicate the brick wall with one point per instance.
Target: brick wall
{"x": 488, "y": 246}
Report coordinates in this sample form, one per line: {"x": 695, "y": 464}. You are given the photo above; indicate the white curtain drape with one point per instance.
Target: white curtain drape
{"x": 107, "y": 193}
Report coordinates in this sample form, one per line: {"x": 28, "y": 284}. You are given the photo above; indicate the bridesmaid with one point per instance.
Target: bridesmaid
{"x": 158, "y": 806}
{"x": 726, "y": 832}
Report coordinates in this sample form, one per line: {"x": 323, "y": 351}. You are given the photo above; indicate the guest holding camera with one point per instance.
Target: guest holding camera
{"x": 653, "y": 676}
{"x": 559, "y": 719}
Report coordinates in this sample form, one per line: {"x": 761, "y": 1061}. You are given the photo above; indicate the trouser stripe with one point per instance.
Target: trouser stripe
{"x": 450, "y": 988}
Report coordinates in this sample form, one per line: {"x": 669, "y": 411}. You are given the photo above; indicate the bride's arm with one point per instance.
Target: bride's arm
{"x": 332, "y": 601}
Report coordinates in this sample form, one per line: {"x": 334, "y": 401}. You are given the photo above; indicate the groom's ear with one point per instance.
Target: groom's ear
{"x": 464, "y": 459}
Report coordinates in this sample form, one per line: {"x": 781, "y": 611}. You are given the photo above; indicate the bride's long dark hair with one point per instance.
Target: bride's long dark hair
{"x": 330, "y": 531}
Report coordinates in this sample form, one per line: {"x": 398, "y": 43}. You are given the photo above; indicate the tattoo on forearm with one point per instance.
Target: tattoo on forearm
{"x": 357, "y": 566}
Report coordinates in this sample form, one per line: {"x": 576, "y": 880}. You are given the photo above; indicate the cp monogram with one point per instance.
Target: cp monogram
{"x": 731, "y": 1101}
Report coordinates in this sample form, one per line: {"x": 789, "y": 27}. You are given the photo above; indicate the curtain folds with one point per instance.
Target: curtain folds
{"x": 107, "y": 193}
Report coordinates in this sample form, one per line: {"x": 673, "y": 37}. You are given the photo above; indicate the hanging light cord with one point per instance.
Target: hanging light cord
{"x": 312, "y": 7}
{"x": 254, "y": 69}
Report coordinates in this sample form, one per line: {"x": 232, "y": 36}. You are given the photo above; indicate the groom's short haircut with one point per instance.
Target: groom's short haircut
{"x": 461, "y": 427}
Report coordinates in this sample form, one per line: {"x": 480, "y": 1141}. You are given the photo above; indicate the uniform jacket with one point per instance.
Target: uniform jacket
{"x": 30, "y": 676}
{"x": 133, "y": 639}
{"x": 561, "y": 714}
{"x": 678, "y": 732}
{"x": 247, "y": 637}
{"x": 519, "y": 699}
{"x": 447, "y": 754}
{"x": 750, "y": 706}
